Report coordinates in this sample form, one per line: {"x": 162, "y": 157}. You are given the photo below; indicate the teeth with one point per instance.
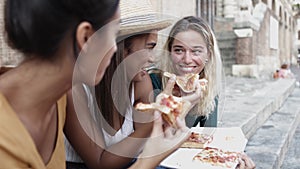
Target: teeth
{"x": 186, "y": 69}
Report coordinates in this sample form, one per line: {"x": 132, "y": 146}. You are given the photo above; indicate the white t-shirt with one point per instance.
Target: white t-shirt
{"x": 122, "y": 133}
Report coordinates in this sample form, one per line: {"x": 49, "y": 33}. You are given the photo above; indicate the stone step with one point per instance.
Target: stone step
{"x": 268, "y": 146}
{"x": 248, "y": 102}
{"x": 292, "y": 157}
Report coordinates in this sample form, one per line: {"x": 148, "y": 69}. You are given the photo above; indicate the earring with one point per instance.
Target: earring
{"x": 206, "y": 60}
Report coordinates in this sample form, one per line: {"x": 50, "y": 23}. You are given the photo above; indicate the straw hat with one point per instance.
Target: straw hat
{"x": 138, "y": 16}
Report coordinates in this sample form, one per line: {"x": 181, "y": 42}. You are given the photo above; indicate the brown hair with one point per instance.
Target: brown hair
{"x": 106, "y": 95}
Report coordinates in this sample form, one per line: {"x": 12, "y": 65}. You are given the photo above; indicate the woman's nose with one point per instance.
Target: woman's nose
{"x": 151, "y": 58}
{"x": 187, "y": 57}
{"x": 115, "y": 47}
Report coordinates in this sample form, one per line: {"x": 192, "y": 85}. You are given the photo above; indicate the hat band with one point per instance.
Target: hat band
{"x": 140, "y": 18}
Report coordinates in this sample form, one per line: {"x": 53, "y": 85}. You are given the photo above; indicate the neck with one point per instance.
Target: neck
{"x": 36, "y": 85}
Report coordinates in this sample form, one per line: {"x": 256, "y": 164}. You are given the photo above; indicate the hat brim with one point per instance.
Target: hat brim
{"x": 141, "y": 27}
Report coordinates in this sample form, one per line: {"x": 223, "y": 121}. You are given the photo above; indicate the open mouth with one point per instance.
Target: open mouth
{"x": 188, "y": 69}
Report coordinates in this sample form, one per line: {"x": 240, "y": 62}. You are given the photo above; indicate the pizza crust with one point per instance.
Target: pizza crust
{"x": 170, "y": 106}
{"x": 188, "y": 82}
{"x": 197, "y": 140}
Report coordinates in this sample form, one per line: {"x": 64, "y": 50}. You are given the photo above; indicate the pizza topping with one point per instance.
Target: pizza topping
{"x": 197, "y": 140}
{"x": 188, "y": 82}
{"x": 202, "y": 138}
{"x": 170, "y": 106}
{"x": 217, "y": 157}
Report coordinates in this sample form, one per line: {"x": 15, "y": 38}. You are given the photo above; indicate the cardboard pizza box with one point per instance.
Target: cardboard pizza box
{"x": 227, "y": 139}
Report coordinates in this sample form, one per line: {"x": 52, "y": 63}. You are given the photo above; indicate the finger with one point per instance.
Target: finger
{"x": 182, "y": 128}
{"x": 194, "y": 97}
{"x": 247, "y": 160}
{"x": 181, "y": 124}
{"x": 241, "y": 164}
{"x": 169, "y": 132}
{"x": 157, "y": 125}
{"x": 170, "y": 85}
{"x": 186, "y": 107}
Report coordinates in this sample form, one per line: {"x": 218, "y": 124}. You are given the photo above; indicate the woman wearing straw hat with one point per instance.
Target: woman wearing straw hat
{"x": 117, "y": 133}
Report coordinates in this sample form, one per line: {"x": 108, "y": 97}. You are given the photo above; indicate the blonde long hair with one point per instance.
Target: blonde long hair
{"x": 213, "y": 68}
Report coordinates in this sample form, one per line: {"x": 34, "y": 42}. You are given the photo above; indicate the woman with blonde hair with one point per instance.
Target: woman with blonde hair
{"x": 192, "y": 48}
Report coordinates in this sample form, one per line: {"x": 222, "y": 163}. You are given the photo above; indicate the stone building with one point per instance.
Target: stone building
{"x": 255, "y": 36}
{"x": 296, "y": 9}
{"x": 177, "y": 9}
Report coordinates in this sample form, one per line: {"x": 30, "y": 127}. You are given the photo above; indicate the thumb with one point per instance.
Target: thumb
{"x": 157, "y": 125}
{"x": 170, "y": 85}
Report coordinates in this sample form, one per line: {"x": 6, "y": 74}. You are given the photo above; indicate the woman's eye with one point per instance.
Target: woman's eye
{"x": 151, "y": 46}
{"x": 196, "y": 52}
{"x": 178, "y": 51}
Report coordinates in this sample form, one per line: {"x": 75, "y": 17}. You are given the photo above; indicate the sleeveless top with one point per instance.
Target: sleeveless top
{"x": 126, "y": 129}
{"x": 17, "y": 148}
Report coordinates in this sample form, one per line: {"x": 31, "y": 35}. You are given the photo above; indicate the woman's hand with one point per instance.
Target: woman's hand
{"x": 170, "y": 85}
{"x": 245, "y": 162}
{"x": 186, "y": 100}
{"x": 193, "y": 97}
{"x": 163, "y": 142}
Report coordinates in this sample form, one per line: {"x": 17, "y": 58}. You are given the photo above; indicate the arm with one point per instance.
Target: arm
{"x": 95, "y": 155}
{"x": 162, "y": 143}
{"x": 143, "y": 120}
{"x": 164, "y": 140}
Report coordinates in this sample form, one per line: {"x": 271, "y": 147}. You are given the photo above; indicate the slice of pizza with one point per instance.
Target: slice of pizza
{"x": 170, "y": 107}
{"x": 217, "y": 157}
{"x": 189, "y": 81}
{"x": 197, "y": 140}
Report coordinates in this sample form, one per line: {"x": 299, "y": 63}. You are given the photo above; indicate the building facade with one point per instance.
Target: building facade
{"x": 261, "y": 35}
{"x": 255, "y": 36}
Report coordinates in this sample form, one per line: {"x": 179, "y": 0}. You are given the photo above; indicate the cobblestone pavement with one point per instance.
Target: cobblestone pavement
{"x": 296, "y": 70}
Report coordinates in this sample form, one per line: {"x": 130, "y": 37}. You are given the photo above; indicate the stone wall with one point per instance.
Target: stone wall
{"x": 175, "y": 9}
{"x": 253, "y": 50}
{"x": 7, "y": 55}
{"x": 254, "y": 56}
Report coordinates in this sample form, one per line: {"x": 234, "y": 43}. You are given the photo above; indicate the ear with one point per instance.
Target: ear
{"x": 83, "y": 33}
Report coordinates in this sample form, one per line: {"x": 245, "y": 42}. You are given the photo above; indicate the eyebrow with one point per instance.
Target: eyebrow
{"x": 177, "y": 46}
{"x": 193, "y": 47}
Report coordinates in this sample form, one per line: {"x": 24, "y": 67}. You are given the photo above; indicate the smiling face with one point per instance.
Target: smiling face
{"x": 140, "y": 53}
{"x": 189, "y": 52}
